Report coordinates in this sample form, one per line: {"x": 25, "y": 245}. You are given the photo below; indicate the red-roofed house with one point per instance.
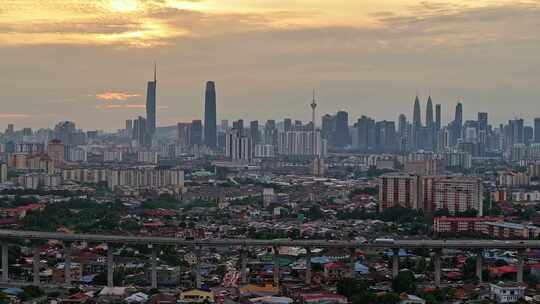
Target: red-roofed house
{"x": 21, "y": 211}
{"x": 314, "y": 298}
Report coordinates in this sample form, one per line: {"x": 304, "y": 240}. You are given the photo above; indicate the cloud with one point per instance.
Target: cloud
{"x": 120, "y": 106}
{"x": 15, "y": 115}
{"x": 265, "y": 70}
{"x": 116, "y": 96}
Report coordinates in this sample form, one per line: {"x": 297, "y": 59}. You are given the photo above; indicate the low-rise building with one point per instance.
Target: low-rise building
{"x": 452, "y": 225}
{"x": 507, "y": 292}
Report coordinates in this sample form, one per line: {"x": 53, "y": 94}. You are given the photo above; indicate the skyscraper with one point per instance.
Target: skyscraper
{"x": 287, "y": 124}
{"x": 342, "y": 129}
{"x": 270, "y": 132}
{"x": 366, "y": 134}
{"x": 196, "y": 132}
{"x": 537, "y": 130}
{"x": 457, "y": 124}
{"x": 438, "y": 123}
{"x": 417, "y": 125}
{"x": 140, "y": 132}
{"x": 482, "y": 121}
{"x": 254, "y": 131}
{"x": 151, "y": 105}
{"x": 429, "y": 114}
{"x": 458, "y": 118}
{"x": 210, "y": 124}
{"x": 417, "y": 120}
{"x": 239, "y": 126}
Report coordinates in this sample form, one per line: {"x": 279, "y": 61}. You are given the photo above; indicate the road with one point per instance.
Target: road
{"x": 7, "y": 235}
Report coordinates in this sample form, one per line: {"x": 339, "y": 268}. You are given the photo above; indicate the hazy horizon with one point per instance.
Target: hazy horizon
{"x": 89, "y": 62}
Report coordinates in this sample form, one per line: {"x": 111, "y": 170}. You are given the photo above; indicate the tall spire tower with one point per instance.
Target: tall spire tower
{"x": 313, "y": 107}
{"x": 317, "y": 162}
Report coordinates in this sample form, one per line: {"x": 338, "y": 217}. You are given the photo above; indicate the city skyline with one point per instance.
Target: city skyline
{"x": 65, "y": 65}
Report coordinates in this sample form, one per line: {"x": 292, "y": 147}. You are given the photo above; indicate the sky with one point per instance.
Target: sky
{"x": 88, "y": 61}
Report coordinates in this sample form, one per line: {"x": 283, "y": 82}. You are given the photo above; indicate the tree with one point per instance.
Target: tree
{"x": 404, "y": 282}
{"x": 388, "y": 298}
{"x": 350, "y": 287}
{"x": 469, "y": 268}
{"x": 442, "y": 212}
{"x": 30, "y": 292}
{"x": 314, "y": 213}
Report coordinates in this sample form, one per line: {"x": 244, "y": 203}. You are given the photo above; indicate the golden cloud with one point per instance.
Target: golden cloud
{"x": 114, "y": 96}
{"x": 14, "y": 115}
{"x": 121, "y": 106}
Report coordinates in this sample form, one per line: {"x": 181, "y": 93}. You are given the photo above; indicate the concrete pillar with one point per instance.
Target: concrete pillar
{"x": 308, "y": 266}
{"x": 35, "y": 264}
{"x": 276, "y": 266}
{"x": 352, "y": 260}
{"x": 437, "y": 266}
{"x": 5, "y": 262}
{"x": 243, "y": 266}
{"x": 479, "y": 262}
{"x": 110, "y": 266}
{"x": 153, "y": 266}
{"x": 395, "y": 262}
{"x": 521, "y": 262}
{"x": 67, "y": 263}
{"x": 198, "y": 278}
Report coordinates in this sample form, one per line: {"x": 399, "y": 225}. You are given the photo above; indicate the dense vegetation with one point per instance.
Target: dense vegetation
{"x": 78, "y": 215}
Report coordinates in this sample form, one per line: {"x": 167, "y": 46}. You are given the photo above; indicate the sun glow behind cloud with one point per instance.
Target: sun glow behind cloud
{"x": 124, "y": 6}
{"x": 149, "y": 23}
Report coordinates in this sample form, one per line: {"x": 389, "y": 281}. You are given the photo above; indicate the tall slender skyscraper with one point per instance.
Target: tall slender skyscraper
{"x": 457, "y": 124}
{"x": 458, "y": 118}
{"x": 417, "y": 125}
{"x": 210, "y": 124}
{"x": 417, "y": 120}
{"x": 438, "y": 122}
{"x": 429, "y": 114}
{"x": 151, "y": 105}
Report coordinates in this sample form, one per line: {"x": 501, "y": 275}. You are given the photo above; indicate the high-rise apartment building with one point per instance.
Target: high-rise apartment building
{"x": 254, "y": 131}
{"x": 456, "y": 194}
{"x": 398, "y": 189}
{"x": 301, "y": 143}
{"x": 140, "y": 132}
{"x": 196, "y": 132}
{"x": 56, "y": 151}
{"x": 238, "y": 148}
{"x": 183, "y": 135}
